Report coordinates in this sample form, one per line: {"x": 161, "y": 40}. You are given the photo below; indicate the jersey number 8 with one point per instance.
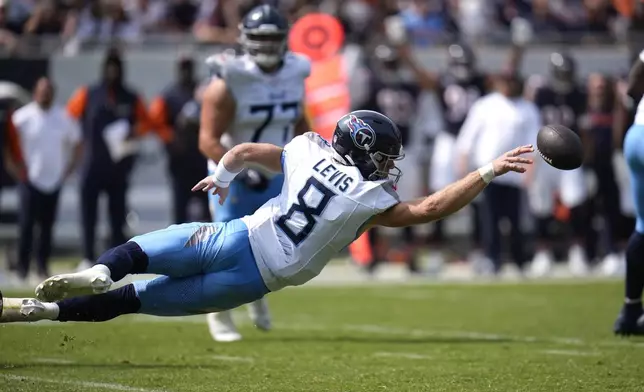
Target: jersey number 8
{"x": 309, "y": 212}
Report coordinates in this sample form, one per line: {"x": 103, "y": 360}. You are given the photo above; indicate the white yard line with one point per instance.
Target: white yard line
{"x": 85, "y": 384}
{"x": 229, "y": 358}
{"x": 571, "y": 353}
{"x": 54, "y": 361}
{"x": 401, "y": 355}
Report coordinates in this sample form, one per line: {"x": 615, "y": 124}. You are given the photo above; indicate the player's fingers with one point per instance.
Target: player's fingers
{"x": 519, "y": 160}
{"x": 521, "y": 150}
{"x": 199, "y": 186}
{"x": 517, "y": 168}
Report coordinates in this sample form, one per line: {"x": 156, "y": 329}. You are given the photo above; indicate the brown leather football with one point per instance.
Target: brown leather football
{"x": 560, "y": 147}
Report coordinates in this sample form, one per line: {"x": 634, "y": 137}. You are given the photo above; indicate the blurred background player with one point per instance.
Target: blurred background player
{"x": 112, "y": 116}
{"x": 457, "y": 88}
{"x": 50, "y": 142}
{"x": 560, "y": 101}
{"x": 630, "y": 320}
{"x": 256, "y": 97}
{"x": 177, "y": 110}
{"x": 598, "y": 129}
{"x": 495, "y": 121}
{"x": 389, "y": 93}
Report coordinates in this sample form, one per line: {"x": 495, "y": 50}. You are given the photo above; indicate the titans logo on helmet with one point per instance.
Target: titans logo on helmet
{"x": 363, "y": 136}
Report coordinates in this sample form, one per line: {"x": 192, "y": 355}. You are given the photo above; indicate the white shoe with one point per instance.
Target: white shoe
{"x": 95, "y": 280}
{"x": 541, "y": 264}
{"x": 14, "y": 310}
{"x": 577, "y": 263}
{"x": 613, "y": 265}
{"x": 483, "y": 267}
{"x": 222, "y": 328}
{"x": 259, "y": 314}
{"x": 435, "y": 263}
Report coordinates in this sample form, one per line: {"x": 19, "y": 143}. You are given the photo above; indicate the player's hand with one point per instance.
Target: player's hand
{"x": 253, "y": 180}
{"x": 207, "y": 184}
{"x": 512, "y": 161}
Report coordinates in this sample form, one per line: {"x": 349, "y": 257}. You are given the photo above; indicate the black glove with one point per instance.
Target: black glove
{"x": 253, "y": 180}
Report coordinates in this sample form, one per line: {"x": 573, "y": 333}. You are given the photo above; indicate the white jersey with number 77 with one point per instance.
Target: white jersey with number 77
{"x": 267, "y": 105}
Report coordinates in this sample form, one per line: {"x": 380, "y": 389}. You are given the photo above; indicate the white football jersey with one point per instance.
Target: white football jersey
{"x": 322, "y": 208}
{"x": 268, "y": 105}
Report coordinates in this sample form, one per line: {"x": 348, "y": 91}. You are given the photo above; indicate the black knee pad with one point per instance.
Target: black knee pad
{"x": 124, "y": 259}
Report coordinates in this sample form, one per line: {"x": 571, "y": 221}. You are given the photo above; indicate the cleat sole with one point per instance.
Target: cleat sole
{"x": 57, "y": 288}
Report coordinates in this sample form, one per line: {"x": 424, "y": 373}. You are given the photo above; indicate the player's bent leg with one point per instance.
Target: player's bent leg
{"x": 91, "y": 308}
{"x": 213, "y": 292}
{"x": 173, "y": 251}
{"x": 229, "y": 278}
{"x": 630, "y": 320}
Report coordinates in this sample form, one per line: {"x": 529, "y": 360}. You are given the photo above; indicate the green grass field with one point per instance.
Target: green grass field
{"x": 489, "y": 337}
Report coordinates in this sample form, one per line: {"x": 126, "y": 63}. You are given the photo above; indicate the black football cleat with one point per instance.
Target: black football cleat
{"x": 629, "y": 325}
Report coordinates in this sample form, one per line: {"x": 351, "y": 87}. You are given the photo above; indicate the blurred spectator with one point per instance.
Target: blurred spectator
{"x": 475, "y": 18}
{"x": 46, "y": 19}
{"x": 544, "y": 19}
{"x": 148, "y": 15}
{"x": 103, "y": 20}
{"x": 217, "y": 21}
{"x": 599, "y": 16}
{"x": 50, "y": 144}
{"x": 10, "y": 28}
{"x": 112, "y": 116}
{"x": 495, "y": 123}
{"x": 428, "y": 21}
{"x": 181, "y": 15}
{"x": 177, "y": 110}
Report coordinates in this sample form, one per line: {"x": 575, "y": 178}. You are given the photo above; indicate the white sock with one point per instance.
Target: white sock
{"x": 102, "y": 268}
{"x": 51, "y": 310}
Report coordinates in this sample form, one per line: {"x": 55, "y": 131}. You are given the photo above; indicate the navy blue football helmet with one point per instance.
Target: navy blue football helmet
{"x": 264, "y": 32}
{"x": 371, "y": 142}
{"x": 563, "y": 71}
{"x": 461, "y": 62}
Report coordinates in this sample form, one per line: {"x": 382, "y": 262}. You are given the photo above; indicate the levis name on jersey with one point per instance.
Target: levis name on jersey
{"x": 334, "y": 176}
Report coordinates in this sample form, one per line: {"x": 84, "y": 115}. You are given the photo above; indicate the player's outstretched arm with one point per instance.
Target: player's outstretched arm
{"x": 455, "y": 196}
{"x": 238, "y": 158}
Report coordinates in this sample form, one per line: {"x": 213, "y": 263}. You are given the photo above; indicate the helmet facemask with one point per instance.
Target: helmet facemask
{"x": 384, "y": 166}
{"x": 266, "y": 45}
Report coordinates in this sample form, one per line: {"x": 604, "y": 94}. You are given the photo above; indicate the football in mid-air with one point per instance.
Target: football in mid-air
{"x": 560, "y": 147}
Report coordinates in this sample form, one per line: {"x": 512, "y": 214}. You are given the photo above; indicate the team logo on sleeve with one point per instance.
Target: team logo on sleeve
{"x": 363, "y": 136}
